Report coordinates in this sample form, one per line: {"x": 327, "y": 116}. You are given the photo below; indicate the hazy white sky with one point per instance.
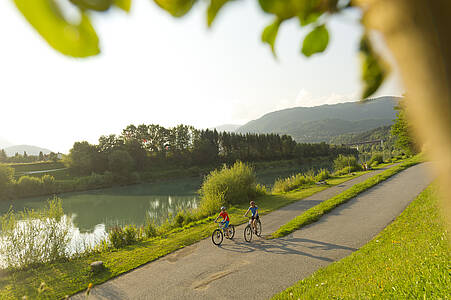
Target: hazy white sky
{"x": 157, "y": 69}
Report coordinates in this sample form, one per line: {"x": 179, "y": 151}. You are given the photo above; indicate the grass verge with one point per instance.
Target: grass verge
{"x": 315, "y": 213}
{"x": 410, "y": 259}
{"x": 68, "y": 277}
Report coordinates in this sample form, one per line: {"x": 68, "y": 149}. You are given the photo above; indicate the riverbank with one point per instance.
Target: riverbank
{"x": 64, "y": 182}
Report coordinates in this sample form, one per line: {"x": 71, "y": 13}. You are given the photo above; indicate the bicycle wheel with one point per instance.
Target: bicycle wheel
{"x": 231, "y": 230}
{"x": 259, "y": 228}
{"x": 248, "y": 233}
{"x": 217, "y": 237}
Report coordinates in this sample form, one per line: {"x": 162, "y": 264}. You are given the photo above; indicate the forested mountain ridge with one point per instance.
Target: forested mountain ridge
{"x": 322, "y": 123}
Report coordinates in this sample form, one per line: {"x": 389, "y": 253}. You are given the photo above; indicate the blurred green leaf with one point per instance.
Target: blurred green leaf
{"x": 270, "y": 33}
{"x": 316, "y": 41}
{"x": 177, "y": 8}
{"x": 125, "y": 5}
{"x": 374, "y": 70}
{"x": 312, "y": 17}
{"x": 310, "y": 11}
{"x": 74, "y": 40}
{"x": 213, "y": 9}
{"x": 284, "y": 9}
{"x": 98, "y": 5}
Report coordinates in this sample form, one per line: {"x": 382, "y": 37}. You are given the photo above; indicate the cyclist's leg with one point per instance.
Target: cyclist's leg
{"x": 226, "y": 225}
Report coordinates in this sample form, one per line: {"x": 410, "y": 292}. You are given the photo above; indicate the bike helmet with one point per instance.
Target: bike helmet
{"x": 223, "y": 208}
{"x": 252, "y": 202}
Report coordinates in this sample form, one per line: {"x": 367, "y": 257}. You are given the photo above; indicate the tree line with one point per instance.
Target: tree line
{"x": 26, "y": 158}
{"x": 147, "y": 147}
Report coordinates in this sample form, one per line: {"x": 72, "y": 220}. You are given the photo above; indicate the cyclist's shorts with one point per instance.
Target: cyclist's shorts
{"x": 255, "y": 217}
{"x": 226, "y": 223}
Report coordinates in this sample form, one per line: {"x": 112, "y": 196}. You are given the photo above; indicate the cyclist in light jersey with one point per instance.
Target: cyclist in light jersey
{"x": 254, "y": 210}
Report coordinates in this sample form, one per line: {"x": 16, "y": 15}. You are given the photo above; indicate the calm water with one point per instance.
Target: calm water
{"x": 131, "y": 204}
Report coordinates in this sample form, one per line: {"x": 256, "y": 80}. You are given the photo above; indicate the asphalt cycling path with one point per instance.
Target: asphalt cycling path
{"x": 262, "y": 268}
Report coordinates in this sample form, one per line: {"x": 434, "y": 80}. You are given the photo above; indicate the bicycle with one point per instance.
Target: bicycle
{"x": 218, "y": 234}
{"x": 249, "y": 231}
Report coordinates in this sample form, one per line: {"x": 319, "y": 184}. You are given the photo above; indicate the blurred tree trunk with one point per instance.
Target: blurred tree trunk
{"x": 418, "y": 34}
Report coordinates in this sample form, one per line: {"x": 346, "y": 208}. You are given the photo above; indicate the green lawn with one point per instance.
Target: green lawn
{"x": 315, "y": 213}
{"x": 410, "y": 259}
{"x": 69, "y": 277}
{"x": 36, "y": 166}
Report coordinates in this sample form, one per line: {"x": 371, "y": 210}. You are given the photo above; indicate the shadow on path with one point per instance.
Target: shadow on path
{"x": 283, "y": 246}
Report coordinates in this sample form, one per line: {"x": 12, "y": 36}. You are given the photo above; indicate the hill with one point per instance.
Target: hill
{"x": 322, "y": 123}
{"x": 226, "y": 127}
{"x": 31, "y": 150}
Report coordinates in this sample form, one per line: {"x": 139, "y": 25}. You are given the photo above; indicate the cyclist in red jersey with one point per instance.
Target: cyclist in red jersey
{"x": 225, "y": 217}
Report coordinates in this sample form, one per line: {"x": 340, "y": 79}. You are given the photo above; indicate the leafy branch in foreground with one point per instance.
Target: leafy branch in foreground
{"x": 79, "y": 38}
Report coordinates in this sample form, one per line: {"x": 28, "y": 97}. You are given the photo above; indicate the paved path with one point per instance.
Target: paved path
{"x": 204, "y": 271}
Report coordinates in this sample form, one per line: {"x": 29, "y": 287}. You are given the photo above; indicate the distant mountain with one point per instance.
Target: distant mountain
{"x": 226, "y": 127}
{"x": 322, "y": 123}
{"x": 31, "y": 150}
{"x": 4, "y": 143}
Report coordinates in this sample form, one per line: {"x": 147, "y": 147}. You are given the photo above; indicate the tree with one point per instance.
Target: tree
{"x": 41, "y": 156}
{"x": 6, "y": 179}
{"x": 120, "y": 162}
{"x": 3, "y": 156}
{"x": 403, "y": 131}
{"x": 81, "y": 158}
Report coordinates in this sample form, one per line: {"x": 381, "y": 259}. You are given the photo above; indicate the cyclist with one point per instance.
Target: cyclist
{"x": 225, "y": 218}
{"x": 254, "y": 210}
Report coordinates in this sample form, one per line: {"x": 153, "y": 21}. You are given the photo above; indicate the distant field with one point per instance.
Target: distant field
{"x": 36, "y": 166}
{"x": 24, "y": 168}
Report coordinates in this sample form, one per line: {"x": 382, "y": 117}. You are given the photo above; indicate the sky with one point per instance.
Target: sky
{"x": 155, "y": 69}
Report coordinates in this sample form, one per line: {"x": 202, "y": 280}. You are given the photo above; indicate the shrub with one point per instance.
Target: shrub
{"x": 121, "y": 237}
{"x": 116, "y": 237}
{"x": 261, "y": 190}
{"x": 179, "y": 218}
{"x": 349, "y": 162}
{"x": 377, "y": 158}
{"x": 343, "y": 161}
{"x": 292, "y": 183}
{"x": 150, "y": 229}
{"x": 28, "y": 185}
{"x": 322, "y": 175}
{"x": 227, "y": 186}
{"x": 48, "y": 184}
{"x": 130, "y": 234}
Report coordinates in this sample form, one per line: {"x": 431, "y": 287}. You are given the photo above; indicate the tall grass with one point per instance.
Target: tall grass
{"x": 31, "y": 237}
{"x": 349, "y": 161}
{"x": 283, "y": 185}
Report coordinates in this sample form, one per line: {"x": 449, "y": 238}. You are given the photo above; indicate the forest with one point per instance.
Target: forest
{"x": 147, "y": 147}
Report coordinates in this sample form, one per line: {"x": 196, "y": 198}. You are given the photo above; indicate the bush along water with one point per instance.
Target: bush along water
{"x": 228, "y": 186}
